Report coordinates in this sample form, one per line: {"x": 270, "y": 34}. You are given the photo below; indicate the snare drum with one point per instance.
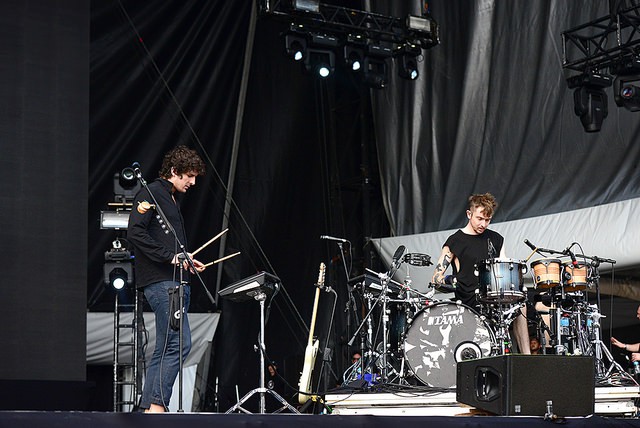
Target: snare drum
{"x": 546, "y": 273}
{"x": 501, "y": 280}
{"x": 577, "y": 278}
{"x": 441, "y": 335}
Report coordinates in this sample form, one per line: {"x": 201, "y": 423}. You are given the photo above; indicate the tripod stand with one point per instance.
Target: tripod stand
{"x": 261, "y": 390}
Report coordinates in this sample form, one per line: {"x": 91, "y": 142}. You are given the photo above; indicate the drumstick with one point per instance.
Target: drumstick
{"x": 209, "y": 242}
{"x": 219, "y": 260}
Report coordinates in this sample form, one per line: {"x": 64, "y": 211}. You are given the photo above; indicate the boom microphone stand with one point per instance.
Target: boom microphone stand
{"x": 183, "y": 256}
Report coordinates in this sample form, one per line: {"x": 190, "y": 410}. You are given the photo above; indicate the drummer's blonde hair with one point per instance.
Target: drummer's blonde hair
{"x": 486, "y": 200}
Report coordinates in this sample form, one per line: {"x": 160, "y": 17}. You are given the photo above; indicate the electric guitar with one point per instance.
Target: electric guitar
{"x": 312, "y": 347}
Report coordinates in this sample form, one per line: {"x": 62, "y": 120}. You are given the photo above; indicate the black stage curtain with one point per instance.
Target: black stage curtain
{"x": 44, "y": 87}
{"x": 491, "y": 112}
{"x": 304, "y": 166}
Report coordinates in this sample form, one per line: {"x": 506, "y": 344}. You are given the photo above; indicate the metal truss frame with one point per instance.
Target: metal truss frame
{"x": 606, "y": 42}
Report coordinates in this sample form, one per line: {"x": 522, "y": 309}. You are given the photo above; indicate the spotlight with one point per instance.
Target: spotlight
{"x": 305, "y": 5}
{"x": 295, "y": 45}
{"x": 590, "y": 104}
{"x": 118, "y": 278}
{"x": 375, "y": 72}
{"x": 353, "y": 57}
{"x": 625, "y": 93}
{"x": 125, "y": 185}
{"x": 408, "y": 62}
{"x": 424, "y": 29}
{"x": 118, "y": 270}
{"x": 320, "y": 62}
{"x": 589, "y": 99}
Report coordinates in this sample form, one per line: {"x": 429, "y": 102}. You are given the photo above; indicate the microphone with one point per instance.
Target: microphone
{"x": 136, "y": 169}
{"x": 333, "y": 238}
{"x": 568, "y": 251}
{"x": 530, "y": 245}
{"x": 396, "y": 256}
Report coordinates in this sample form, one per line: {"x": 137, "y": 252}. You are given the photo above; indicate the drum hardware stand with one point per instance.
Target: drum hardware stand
{"x": 599, "y": 350}
{"x": 262, "y": 390}
{"x": 382, "y": 297}
{"x": 503, "y": 316}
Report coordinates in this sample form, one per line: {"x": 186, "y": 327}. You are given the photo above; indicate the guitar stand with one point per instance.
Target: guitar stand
{"x": 261, "y": 390}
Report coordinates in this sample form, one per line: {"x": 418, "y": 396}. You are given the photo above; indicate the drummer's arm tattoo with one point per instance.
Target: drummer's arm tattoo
{"x": 438, "y": 276}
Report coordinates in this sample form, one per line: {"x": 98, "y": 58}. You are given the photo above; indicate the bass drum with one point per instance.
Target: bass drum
{"x": 441, "y": 335}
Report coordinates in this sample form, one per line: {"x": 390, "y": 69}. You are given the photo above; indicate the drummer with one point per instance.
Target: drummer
{"x": 468, "y": 246}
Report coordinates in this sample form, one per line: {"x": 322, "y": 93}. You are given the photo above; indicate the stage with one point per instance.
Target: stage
{"x": 614, "y": 407}
{"x": 208, "y": 420}
{"x": 617, "y": 402}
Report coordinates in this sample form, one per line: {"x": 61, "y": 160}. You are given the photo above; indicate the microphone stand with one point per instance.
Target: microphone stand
{"x": 182, "y": 256}
{"x": 351, "y": 303}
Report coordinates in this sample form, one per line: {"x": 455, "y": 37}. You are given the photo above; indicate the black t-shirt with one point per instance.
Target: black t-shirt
{"x": 470, "y": 249}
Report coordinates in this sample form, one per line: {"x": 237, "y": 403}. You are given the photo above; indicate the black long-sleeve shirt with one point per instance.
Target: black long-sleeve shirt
{"x": 153, "y": 248}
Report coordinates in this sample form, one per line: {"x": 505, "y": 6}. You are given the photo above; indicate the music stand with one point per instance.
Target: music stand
{"x": 257, "y": 287}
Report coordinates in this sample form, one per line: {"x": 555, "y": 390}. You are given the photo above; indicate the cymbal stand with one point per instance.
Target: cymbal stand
{"x": 262, "y": 390}
{"x": 600, "y": 352}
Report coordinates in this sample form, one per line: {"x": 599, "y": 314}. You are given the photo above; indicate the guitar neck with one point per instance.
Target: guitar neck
{"x": 313, "y": 316}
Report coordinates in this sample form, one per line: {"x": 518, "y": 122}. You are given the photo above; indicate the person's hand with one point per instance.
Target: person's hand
{"x": 616, "y": 342}
{"x": 198, "y": 265}
{"x": 635, "y": 356}
{"x": 185, "y": 264}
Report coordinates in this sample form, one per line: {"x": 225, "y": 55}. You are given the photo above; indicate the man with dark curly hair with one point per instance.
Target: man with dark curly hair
{"x": 156, "y": 266}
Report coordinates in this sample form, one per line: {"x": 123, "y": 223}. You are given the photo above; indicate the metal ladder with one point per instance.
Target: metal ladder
{"x": 127, "y": 354}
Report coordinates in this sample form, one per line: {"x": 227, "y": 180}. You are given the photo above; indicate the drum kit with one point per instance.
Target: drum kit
{"x": 408, "y": 337}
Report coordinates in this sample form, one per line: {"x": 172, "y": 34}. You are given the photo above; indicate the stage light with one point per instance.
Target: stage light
{"x": 118, "y": 278}
{"x": 625, "y": 93}
{"x": 305, "y": 5}
{"x": 424, "y": 30}
{"x": 118, "y": 267}
{"x": 375, "y": 72}
{"x": 320, "y": 62}
{"x": 118, "y": 219}
{"x": 407, "y": 59}
{"x": 118, "y": 274}
{"x": 418, "y": 23}
{"x": 295, "y": 45}
{"x": 354, "y": 57}
{"x": 589, "y": 99}
{"x": 590, "y": 104}
{"x": 125, "y": 185}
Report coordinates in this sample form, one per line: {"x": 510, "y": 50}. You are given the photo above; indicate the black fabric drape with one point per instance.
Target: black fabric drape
{"x": 163, "y": 74}
{"x": 299, "y": 163}
{"x": 44, "y": 88}
{"x": 492, "y": 112}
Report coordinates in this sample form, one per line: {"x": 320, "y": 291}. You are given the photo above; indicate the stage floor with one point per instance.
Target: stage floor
{"x": 24, "y": 419}
{"x": 609, "y": 401}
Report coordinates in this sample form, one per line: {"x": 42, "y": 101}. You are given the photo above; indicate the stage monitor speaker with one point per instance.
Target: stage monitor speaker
{"x": 511, "y": 385}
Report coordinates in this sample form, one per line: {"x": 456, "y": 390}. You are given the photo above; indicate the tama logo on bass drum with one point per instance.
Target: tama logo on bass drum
{"x": 451, "y": 319}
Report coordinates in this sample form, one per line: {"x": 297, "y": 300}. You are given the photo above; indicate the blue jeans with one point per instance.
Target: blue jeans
{"x": 165, "y": 364}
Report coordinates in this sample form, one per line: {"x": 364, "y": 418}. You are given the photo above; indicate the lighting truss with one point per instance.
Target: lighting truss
{"x": 419, "y": 30}
{"x": 602, "y": 43}
{"x": 606, "y": 46}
